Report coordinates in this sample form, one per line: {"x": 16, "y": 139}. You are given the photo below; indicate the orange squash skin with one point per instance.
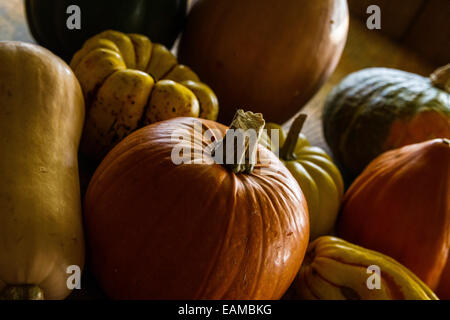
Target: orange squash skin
{"x": 443, "y": 290}
{"x": 400, "y": 206}
{"x": 161, "y": 231}
{"x": 271, "y": 56}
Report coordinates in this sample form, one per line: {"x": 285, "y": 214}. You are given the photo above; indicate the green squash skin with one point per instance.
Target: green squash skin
{"x": 359, "y": 112}
{"x": 160, "y": 20}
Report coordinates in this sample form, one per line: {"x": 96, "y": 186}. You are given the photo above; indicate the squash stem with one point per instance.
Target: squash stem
{"x": 237, "y": 151}
{"x": 24, "y": 292}
{"x": 441, "y": 78}
{"x": 287, "y": 152}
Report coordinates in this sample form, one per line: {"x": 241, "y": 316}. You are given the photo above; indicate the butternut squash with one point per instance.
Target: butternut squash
{"x": 41, "y": 118}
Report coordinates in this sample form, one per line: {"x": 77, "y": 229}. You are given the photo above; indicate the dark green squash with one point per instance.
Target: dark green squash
{"x": 378, "y": 109}
{"x": 160, "y": 20}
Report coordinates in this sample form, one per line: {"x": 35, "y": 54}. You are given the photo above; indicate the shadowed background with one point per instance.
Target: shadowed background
{"x": 415, "y": 37}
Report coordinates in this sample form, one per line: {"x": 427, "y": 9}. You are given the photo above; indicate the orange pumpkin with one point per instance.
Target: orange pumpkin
{"x": 270, "y": 55}
{"x": 158, "y": 230}
{"x": 400, "y": 206}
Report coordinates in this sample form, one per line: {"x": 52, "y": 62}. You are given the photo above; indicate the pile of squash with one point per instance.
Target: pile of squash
{"x": 183, "y": 207}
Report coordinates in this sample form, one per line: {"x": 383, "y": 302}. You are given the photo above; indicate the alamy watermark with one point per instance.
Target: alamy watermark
{"x": 74, "y": 20}
{"x": 374, "y": 281}
{"x": 210, "y": 146}
{"x": 74, "y": 278}
{"x": 374, "y": 20}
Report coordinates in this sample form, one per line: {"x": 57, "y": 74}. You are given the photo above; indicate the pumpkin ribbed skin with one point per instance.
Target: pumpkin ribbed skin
{"x": 271, "y": 56}
{"x": 399, "y": 206}
{"x": 192, "y": 231}
{"x": 41, "y": 118}
{"x": 378, "y": 109}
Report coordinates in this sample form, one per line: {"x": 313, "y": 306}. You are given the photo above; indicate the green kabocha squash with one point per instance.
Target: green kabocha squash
{"x": 161, "y": 20}
{"x": 317, "y": 175}
{"x": 378, "y": 109}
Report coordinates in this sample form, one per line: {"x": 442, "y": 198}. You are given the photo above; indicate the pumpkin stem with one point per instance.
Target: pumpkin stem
{"x": 238, "y": 149}
{"x": 441, "y": 78}
{"x": 25, "y": 292}
{"x": 287, "y": 152}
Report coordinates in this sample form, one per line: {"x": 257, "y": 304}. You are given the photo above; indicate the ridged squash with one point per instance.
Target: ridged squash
{"x": 375, "y": 110}
{"x": 130, "y": 82}
{"x": 41, "y": 118}
{"x": 335, "y": 269}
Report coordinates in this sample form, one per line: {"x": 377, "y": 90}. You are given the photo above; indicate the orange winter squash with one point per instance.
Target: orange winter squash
{"x": 443, "y": 290}
{"x": 269, "y": 55}
{"x": 194, "y": 230}
{"x": 400, "y": 206}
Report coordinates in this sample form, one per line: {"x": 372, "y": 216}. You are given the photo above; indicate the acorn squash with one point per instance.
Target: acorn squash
{"x": 41, "y": 118}
{"x": 378, "y": 109}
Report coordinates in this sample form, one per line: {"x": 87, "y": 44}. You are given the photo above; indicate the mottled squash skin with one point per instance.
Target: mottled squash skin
{"x": 129, "y": 82}
{"x": 378, "y": 109}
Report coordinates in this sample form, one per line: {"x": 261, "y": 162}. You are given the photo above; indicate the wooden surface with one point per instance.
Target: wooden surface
{"x": 364, "y": 49}
{"x": 422, "y": 25}
{"x": 430, "y": 34}
{"x": 404, "y": 15}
